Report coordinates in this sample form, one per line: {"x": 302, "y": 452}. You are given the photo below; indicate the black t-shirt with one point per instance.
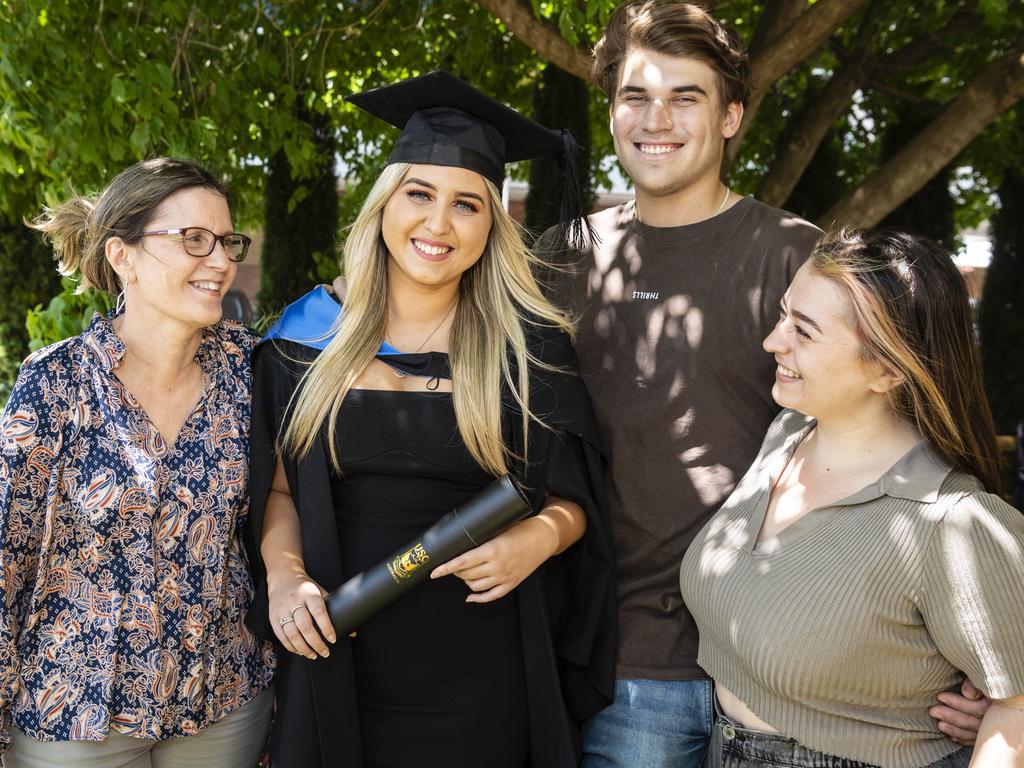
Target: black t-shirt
{"x": 671, "y": 322}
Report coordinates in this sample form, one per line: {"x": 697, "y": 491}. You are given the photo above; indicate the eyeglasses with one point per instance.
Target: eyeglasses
{"x": 199, "y": 241}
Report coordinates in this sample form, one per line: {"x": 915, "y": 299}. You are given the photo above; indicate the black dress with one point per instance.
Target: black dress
{"x": 439, "y": 681}
{"x": 565, "y": 610}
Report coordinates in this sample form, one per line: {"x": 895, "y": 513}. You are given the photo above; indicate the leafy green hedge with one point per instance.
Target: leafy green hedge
{"x": 28, "y": 277}
{"x": 67, "y": 314}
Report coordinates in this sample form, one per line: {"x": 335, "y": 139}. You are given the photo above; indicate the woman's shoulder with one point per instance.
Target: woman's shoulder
{"x": 784, "y": 426}
{"x": 236, "y": 340}
{"x": 964, "y": 505}
{"x": 310, "y": 320}
{"x": 550, "y": 344}
{"x": 53, "y": 357}
{"x": 234, "y": 332}
{"x": 45, "y": 389}
{"x": 54, "y": 366}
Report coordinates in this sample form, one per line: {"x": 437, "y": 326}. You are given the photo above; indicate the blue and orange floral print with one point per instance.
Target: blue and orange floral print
{"x": 124, "y": 582}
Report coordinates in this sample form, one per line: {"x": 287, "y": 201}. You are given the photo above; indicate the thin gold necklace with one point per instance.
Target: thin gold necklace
{"x": 402, "y": 374}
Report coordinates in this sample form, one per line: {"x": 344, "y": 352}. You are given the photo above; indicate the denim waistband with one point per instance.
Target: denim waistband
{"x": 733, "y": 746}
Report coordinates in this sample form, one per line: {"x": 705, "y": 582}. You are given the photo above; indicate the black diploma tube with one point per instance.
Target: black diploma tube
{"x": 480, "y": 519}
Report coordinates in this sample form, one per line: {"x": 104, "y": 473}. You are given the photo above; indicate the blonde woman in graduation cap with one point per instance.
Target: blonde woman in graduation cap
{"x": 446, "y": 368}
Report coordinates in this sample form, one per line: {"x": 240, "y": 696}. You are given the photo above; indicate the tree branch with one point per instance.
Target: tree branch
{"x": 777, "y": 16}
{"x": 996, "y": 89}
{"x": 541, "y": 36}
{"x": 808, "y": 33}
{"x": 783, "y": 52}
{"x": 809, "y": 128}
{"x": 796, "y": 152}
{"x": 858, "y": 70}
{"x": 960, "y": 26}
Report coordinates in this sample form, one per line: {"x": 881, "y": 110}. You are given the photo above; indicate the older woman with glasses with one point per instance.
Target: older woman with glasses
{"x": 123, "y": 470}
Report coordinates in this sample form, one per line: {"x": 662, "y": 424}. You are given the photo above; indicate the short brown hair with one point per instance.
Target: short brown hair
{"x": 676, "y": 29}
{"x": 80, "y": 227}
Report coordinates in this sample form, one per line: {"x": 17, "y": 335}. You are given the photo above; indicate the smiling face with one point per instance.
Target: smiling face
{"x": 435, "y": 226}
{"x": 162, "y": 281}
{"x": 820, "y": 369}
{"x": 667, "y": 122}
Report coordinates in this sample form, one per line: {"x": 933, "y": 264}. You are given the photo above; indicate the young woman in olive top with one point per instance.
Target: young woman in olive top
{"x": 865, "y": 560}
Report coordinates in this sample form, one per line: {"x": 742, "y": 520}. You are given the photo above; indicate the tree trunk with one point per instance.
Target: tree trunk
{"x": 785, "y": 51}
{"x": 810, "y": 129}
{"x": 542, "y": 37}
{"x": 790, "y": 48}
{"x": 294, "y": 240}
{"x": 777, "y": 17}
{"x": 1001, "y": 315}
{"x": 996, "y": 89}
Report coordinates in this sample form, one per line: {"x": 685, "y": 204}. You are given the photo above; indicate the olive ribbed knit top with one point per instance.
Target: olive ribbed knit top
{"x": 842, "y": 634}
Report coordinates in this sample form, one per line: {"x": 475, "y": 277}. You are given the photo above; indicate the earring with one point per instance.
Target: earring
{"x": 119, "y": 306}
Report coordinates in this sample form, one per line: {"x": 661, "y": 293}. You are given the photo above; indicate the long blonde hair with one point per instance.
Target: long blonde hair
{"x": 497, "y": 298}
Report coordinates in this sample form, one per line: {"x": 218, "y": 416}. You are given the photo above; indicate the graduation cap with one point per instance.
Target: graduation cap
{"x": 446, "y": 121}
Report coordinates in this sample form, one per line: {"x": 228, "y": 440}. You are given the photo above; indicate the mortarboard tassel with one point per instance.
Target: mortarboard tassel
{"x": 575, "y": 231}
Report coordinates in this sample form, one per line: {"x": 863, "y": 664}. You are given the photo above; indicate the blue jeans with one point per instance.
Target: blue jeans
{"x": 651, "y": 723}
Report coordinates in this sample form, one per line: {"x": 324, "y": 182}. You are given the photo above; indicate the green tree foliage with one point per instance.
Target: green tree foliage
{"x": 1001, "y": 316}
{"x": 27, "y": 278}
{"x": 300, "y": 219}
{"x": 66, "y": 314}
{"x": 86, "y": 89}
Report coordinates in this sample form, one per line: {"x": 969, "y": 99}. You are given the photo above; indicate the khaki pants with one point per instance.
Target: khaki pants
{"x": 234, "y": 741}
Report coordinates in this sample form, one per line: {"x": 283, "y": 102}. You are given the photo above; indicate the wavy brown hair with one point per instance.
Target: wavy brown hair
{"x": 676, "y": 29}
{"x": 80, "y": 227}
{"x": 910, "y": 308}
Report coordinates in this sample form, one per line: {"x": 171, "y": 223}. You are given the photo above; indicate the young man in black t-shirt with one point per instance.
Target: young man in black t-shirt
{"x": 673, "y": 301}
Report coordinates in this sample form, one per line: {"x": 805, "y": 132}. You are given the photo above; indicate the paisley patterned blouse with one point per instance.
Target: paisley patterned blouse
{"x": 124, "y": 581}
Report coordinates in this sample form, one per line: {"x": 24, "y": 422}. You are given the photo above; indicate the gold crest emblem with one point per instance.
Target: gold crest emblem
{"x": 403, "y": 566}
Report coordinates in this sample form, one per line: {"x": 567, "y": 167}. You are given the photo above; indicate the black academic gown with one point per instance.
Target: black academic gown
{"x": 566, "y": 608}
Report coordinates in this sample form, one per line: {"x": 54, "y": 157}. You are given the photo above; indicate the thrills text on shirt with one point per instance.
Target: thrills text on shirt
{"x": 645, "y": 295}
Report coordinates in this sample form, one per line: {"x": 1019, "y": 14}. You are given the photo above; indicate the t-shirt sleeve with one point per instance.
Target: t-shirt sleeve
{"x": 972, "y": 592}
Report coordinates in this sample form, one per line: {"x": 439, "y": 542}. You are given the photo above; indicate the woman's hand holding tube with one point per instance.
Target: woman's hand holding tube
{"x": 495, "y": 568}
{"x": 299, "y": 614}
{"x": 297, "y": 607}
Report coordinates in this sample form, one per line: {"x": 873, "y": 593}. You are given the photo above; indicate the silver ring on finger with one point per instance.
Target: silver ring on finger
{"x": 285, "y": 620}
{"x": 294, "y": 609}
